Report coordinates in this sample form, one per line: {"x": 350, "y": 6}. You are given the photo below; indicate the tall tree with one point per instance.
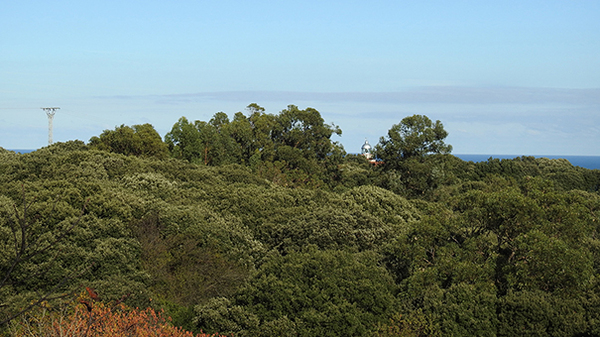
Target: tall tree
{"x": 304, "y": 148}
{"x": 262, "y": 129}
{"x": 413, "y": 156}
{"x": 306, "y": 131}
{"x": 209, "y": 143}
{"x": 294, "y": 145}
{"x": 414, "y": 136}
{"x": 184, "y": 140}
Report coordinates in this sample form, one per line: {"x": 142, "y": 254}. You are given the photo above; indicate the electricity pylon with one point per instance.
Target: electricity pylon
{"x": 50, "y": 112}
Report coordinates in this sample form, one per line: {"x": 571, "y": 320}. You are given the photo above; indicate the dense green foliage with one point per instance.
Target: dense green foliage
{"x": 138, "y": 140}
{"x": 292, "y": 148}
{"x": 261, "y": 226}
{"x": 414, "y": 136}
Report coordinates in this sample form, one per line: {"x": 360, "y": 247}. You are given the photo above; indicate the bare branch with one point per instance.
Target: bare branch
{"x": 47, "y": 295}
{"x": 27, "y": 246}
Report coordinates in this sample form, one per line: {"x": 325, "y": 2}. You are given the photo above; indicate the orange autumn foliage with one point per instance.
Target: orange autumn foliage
{"x": 101, "y": 320}
{"x": 92, "y": 293}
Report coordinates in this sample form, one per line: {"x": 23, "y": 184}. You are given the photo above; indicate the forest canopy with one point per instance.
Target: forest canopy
{"x": 262, "y": 225}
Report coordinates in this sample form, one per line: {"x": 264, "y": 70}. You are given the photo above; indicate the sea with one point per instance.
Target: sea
{"x": 21, "y": 151}
{"x": 588, "y": 162}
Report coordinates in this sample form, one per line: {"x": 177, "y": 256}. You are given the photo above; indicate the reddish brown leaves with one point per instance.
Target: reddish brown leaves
{"x": 87, "y": 304}
{"x": 93, "y": 294}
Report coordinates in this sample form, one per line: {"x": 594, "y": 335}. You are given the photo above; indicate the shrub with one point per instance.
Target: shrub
{"x": 97, "y": 319}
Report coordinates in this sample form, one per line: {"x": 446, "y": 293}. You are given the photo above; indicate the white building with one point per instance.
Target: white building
{"x": 366, "y": 150}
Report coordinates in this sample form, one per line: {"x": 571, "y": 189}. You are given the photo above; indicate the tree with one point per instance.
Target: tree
{"x": 308, "y": 293}
{"x": 293, "y": 148}
{"x": 414, "y": 136}
{"x": 98, "y": 319}
{"x": 184, "y": 140}
{"x": 225, "y": 148}
{"x": 306, "y": 131}
{"x": 25, "y": 247}
{"x": 150, "y": 142}
{"x": 208, "y": 143}
{"x": 139, "y": 140}
{"x": 414, "y": 156}
{"x": 241, "y": 131}
{"x": 303, "y": 147}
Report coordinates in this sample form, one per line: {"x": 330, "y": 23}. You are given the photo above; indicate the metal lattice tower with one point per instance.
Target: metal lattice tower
{"x": 50, "y": 112}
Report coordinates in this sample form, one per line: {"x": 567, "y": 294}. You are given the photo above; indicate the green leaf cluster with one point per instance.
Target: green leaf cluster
{"x": 292, "y": 148}
{"x": 138, "y": 140}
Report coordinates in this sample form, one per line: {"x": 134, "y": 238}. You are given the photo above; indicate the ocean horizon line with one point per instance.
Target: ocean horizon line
{"x": 585, "y": 161}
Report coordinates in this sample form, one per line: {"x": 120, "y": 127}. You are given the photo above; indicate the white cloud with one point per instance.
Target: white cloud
{"x": 420, "y": 95}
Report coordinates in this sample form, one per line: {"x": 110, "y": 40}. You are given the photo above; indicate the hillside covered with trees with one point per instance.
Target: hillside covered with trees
{"x": 262, "y": 225}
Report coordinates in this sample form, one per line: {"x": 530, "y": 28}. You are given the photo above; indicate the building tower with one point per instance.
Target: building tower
{"x": 50, "y": 113}
{"x": 365, "y": 150}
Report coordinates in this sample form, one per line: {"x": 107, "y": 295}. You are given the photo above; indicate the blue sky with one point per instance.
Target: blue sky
{"x": 504, "y": 77}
